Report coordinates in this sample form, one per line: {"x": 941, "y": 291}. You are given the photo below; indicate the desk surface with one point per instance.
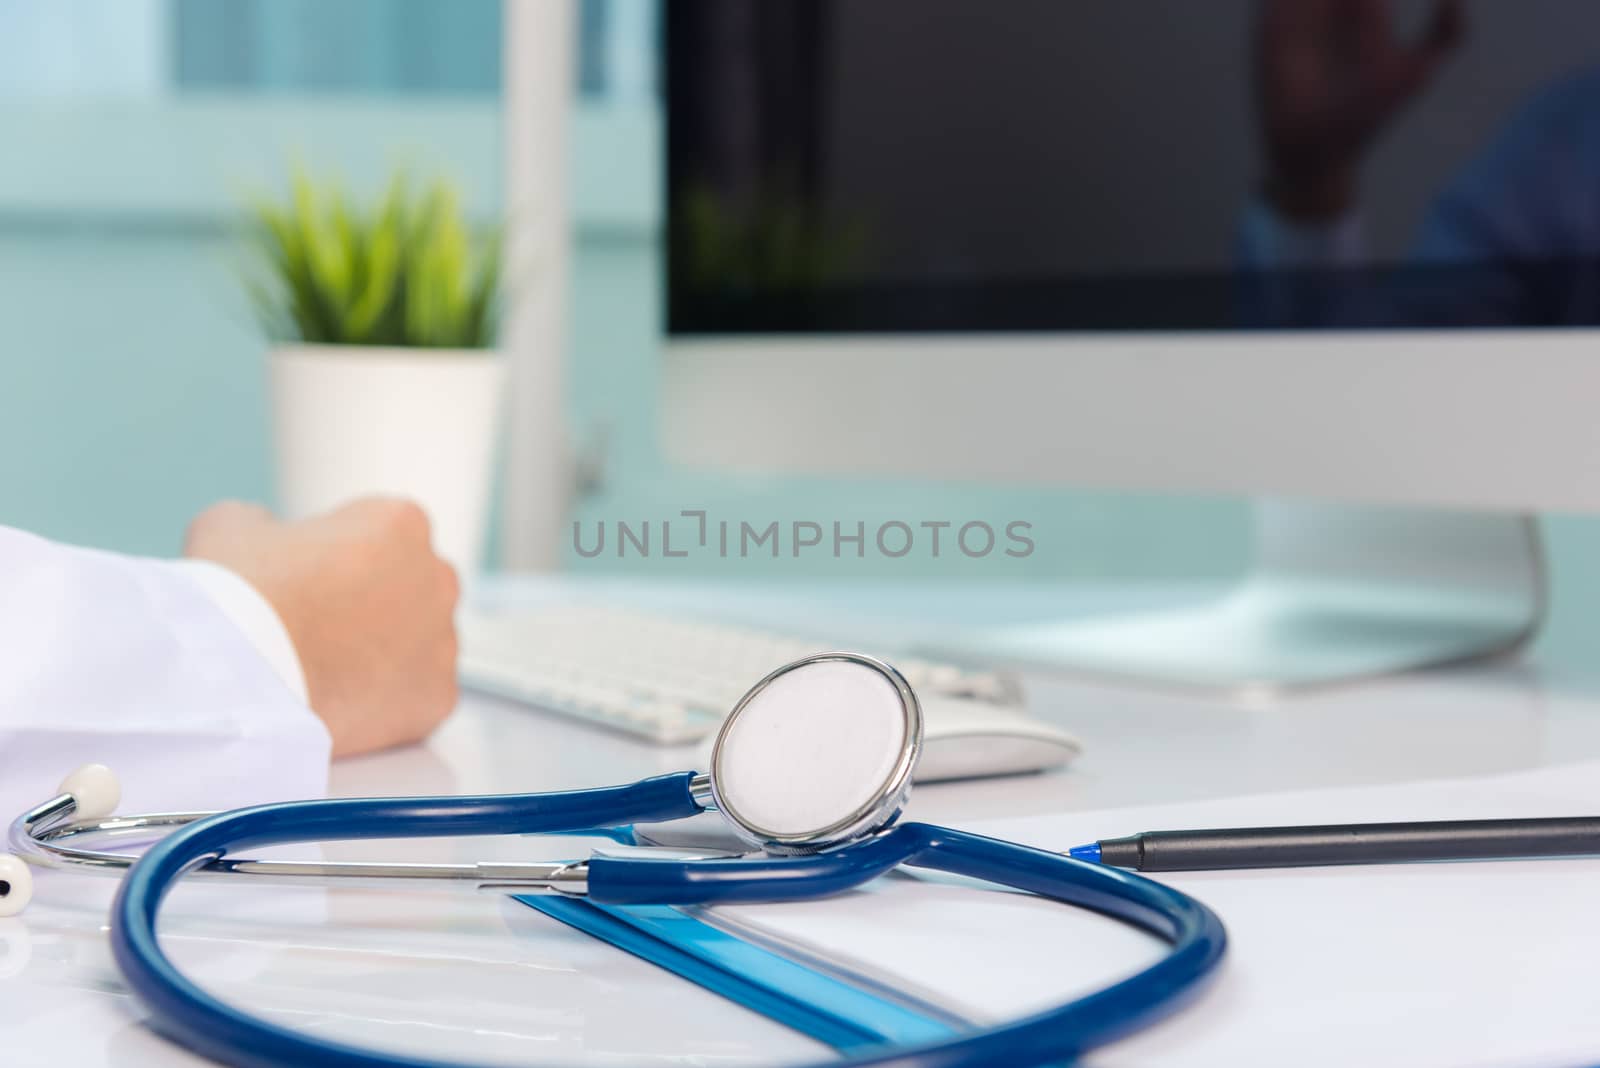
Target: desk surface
{"x": 451, "y": 974}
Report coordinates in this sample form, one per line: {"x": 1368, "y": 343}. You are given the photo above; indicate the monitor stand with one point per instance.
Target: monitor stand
{"x": 1336, "y": 593}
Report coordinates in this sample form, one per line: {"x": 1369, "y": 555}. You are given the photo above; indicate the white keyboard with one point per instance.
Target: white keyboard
{"x": 666, "y": 679}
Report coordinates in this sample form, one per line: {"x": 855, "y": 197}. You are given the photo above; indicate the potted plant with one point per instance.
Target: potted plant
{"x": 382, "y": 374}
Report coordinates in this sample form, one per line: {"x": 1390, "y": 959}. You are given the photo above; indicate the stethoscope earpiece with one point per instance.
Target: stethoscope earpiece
{"x": 16, "y": 885}
{"x": 90, "y": 793}
{"x": 95, "y": 791}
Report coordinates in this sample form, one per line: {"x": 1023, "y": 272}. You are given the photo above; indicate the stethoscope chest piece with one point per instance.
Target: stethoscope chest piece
{"x": 818, "y": 753}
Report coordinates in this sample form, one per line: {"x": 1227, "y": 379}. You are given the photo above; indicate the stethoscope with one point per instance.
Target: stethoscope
{"x": 812, "y": 768}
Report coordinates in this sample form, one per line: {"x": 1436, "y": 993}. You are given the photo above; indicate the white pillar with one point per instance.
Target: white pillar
{"x": 540, "y": 39}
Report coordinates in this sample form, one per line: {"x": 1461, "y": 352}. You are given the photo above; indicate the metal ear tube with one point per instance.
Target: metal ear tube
{"x": 90, "y": 793}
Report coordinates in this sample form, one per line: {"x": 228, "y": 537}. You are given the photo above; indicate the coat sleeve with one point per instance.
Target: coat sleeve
{"x": 139, "y": 665}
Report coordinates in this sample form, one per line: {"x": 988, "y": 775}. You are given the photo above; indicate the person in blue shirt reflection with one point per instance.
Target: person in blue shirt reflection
{"x": 1510, "y": 230}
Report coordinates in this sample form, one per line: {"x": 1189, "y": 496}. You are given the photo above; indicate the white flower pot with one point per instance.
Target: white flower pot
{"x": 352, "y": 421}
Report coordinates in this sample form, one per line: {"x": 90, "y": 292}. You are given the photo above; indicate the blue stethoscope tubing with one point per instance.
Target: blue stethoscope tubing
{"x": 184, "y": 1012}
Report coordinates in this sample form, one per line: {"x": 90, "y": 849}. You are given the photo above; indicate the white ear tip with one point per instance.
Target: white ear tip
{"x": 16, "y": 885}
{"x": 96, "y": 790}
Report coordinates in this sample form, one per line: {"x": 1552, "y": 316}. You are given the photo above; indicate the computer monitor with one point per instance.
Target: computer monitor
{"x": 1346, "y": 252}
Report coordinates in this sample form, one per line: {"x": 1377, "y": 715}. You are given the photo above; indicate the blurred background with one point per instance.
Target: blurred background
{"x": 131, "y": 368}
{"x": 132, "y": 372}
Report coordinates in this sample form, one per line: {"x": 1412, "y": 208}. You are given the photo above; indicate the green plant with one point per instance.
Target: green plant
{"x": 404, "y": 271}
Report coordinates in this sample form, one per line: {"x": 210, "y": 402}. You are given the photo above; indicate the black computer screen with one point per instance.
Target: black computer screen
{"x": 957, "y": 165}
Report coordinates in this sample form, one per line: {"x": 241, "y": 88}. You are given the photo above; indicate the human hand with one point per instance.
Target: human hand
{"x": 368, "y": 605}
{"x": 1329, "y": 75}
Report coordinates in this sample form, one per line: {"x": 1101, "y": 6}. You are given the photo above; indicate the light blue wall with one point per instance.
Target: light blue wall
{"x": 130, "y": 389}
{"x": 388, "y": 46}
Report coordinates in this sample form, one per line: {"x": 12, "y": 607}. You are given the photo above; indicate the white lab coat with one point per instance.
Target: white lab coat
{"x": 176, "y": 674}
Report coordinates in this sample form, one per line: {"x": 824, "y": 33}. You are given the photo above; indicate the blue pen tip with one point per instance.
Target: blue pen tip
{"x": 1089, "y": 853}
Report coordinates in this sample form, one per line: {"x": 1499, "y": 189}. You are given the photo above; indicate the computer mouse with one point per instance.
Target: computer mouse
{"x": 965, "y": 739}
{"x": 969, "y": 739}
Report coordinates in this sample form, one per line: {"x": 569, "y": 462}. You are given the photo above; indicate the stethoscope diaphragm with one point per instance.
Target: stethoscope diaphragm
{"x": 818, "y": 753}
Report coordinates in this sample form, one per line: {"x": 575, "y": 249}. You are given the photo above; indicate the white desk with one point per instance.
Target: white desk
{"x": 452, "y": 974}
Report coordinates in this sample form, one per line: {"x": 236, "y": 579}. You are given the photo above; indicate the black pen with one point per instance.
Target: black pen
{"x": 1349, "y": 843}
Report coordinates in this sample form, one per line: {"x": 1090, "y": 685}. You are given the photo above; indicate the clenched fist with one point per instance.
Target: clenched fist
{"x": 368, "y": 605}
